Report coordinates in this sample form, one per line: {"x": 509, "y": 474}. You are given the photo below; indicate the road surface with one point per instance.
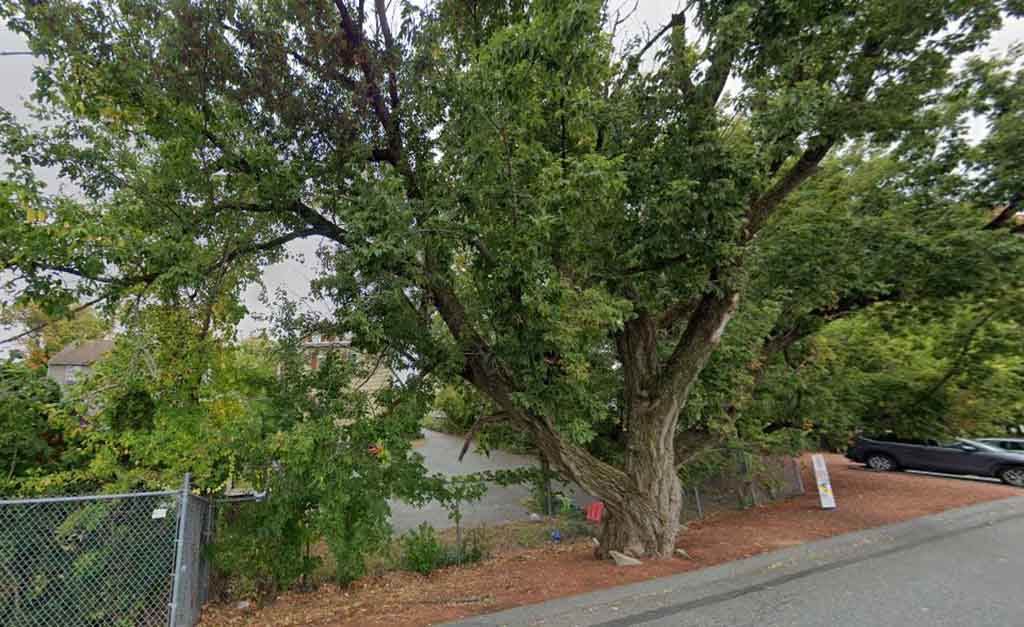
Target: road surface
{"x": 963, "y": 567}
{"x": 440, "y": 453}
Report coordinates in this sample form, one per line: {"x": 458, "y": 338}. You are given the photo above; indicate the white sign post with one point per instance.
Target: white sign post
{"x": 828, "y": 499}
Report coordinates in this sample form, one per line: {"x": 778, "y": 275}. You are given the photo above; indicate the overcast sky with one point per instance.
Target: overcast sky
{"x": 293, "y": 276}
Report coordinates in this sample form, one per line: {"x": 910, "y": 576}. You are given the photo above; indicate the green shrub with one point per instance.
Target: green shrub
{"x": 423, "y": 551}
{"x": 573, "y": 526}
{"x": 475, "y": 547}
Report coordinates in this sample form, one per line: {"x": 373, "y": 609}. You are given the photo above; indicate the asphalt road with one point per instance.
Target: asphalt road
{"x": 963, "y": 567}
{"x": 440, "y": 453}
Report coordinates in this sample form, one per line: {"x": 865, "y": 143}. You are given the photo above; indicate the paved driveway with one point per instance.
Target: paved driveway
{"x": 501, "y": 504}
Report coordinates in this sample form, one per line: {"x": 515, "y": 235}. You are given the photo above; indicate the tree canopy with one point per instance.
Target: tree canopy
{"x": 502, "y": 197}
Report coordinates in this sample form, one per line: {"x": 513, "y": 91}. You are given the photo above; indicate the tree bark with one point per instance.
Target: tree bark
{"x": 643, "y": 518}
{"x": 642, "y": 501}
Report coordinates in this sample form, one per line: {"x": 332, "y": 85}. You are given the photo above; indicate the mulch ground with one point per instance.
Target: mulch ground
{"x": 520, "y": 577}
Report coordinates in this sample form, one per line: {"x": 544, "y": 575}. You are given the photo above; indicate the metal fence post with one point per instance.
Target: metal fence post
{"x": 207, "y": 537}
{"x": 179, "y": 559}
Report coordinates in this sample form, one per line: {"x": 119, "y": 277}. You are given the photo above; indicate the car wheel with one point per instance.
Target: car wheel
{"x": 1013, "y": 476}
{"x": 881, "y": 463}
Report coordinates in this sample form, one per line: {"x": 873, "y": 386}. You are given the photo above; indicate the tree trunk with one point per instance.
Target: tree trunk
{"x": 642, "y": 501}
{"x": 643, "y": 520}
{"x": 644, "y": 523}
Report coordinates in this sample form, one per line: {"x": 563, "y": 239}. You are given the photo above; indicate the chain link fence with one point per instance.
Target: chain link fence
{"x": 742, "y": 481}
{"x": 122, "y": 559}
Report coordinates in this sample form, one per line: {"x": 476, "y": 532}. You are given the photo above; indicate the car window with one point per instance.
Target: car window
{"x": 984, "y": 446}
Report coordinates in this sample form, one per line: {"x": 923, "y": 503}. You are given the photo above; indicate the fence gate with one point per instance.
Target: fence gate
{"x": 113, "y": 559}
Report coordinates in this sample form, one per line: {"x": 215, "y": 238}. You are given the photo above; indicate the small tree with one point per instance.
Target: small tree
{"x": 27, "y": 440}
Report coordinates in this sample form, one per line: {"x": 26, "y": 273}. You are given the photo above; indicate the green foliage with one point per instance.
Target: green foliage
{"x": 54, "y": 332}
{"x": 475, "y": 547}
{"x": 262, "y": 548}
{"x": 501, "y": 198}
{"x": 917, "y": 373}
{"x": 334, "y": 471}
{"x": 458, "y": 406}
{"x": 29, "y": 444}
{"x": 175, "y": 396}
{"x": 423, "y": 551}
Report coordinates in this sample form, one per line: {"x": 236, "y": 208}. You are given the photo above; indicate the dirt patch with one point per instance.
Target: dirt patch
{"x": 523, "y": 576}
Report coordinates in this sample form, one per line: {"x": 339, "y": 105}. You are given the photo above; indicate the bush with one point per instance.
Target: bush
{"x": 263, "y": 547}
{"x": 475, "y": 548}
{"x": 424, "y": 552}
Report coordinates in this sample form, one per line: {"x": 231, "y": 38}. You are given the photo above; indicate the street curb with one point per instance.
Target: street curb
{"x": 732, "y": 579}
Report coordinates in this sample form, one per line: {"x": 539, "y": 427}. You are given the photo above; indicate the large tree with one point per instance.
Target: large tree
{"x": 497, "y": 193}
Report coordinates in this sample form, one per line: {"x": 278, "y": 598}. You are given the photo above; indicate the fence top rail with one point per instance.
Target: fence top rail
{"x": 90, "y": 497}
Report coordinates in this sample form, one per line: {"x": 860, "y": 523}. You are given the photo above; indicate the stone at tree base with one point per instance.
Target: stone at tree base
{"x": 683, "y": 554}
{"x": 621, "y": 559}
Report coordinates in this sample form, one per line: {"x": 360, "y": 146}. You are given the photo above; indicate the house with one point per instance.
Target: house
{"x": 377, "y": 375}
{"x": 71, "y": 363}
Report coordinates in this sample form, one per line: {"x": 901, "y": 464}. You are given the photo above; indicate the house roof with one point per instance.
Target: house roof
{"x": 83, "y": 354}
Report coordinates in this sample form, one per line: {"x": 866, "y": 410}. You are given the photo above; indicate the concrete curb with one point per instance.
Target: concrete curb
{"x": 730, "y": 580}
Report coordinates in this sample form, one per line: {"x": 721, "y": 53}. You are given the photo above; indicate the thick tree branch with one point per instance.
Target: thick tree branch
{"x": 861, "y": 72}
{"x": 637, "y": 348}
{"x": 271, "y": 244}
{"x": 65, "y": 269}
{"x": 676, "y": 312}
{"x": 762, "y": 208}
{"x": 703, "y": 333}
{"x": 956, "y": 367}
{"x": 478, "y": 424}
{"x": 720, "y": 61}
{"x": 483, "y": 370}
{"x": 307, "y": 214}
{"x": 390, "y": 51}
{"x": 328, "y": 72}
{"x": 39, "y": 327}
{"x": 357, "y": 43}
{"x": 148, "y": 278}
{"x": 655, "y": 266}
{"x": 1006, "y": 216}
{"x": 677, "y": 19}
